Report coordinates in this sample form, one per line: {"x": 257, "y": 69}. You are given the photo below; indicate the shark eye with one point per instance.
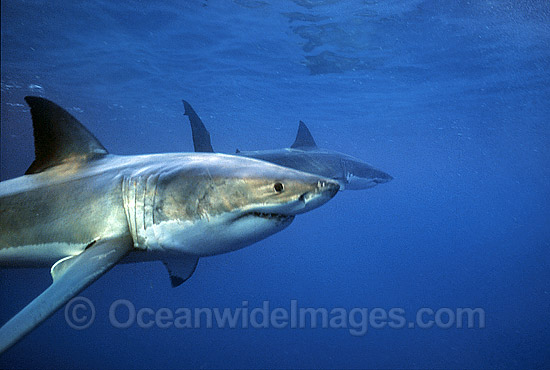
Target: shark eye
{"x": 279, "y": 187}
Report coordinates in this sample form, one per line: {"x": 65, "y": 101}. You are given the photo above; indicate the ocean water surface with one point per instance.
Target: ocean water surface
{"x": 449, "y": 97}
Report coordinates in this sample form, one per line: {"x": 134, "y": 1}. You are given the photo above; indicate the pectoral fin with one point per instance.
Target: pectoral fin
{"x": 59, "y": 268}
{"x": 181, "y": 269}
{"x": 71, "y": 276}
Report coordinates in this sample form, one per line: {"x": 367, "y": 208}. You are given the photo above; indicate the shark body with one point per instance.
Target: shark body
{"x": 303, "y": 155}
{"x": 80, "y": 210}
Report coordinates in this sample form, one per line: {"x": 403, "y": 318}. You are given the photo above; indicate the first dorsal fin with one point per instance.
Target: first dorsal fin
{"x": 201, "y": 136}
{"x": 58, "y": 136}
{"x": 304, "y": 140}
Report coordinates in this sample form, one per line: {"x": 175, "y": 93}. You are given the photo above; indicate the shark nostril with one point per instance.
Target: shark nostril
{"x": 302, "y": 198}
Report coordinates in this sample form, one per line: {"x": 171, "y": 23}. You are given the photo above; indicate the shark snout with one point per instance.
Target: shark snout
{"x": 365, "y": 178}
{"x": 382, "y": 177}
{"x": 328, "y": 188}
{"x": 323, "y": 192}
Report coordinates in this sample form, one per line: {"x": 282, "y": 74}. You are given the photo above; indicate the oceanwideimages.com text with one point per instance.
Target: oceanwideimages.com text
{"x": 80, "y": 313}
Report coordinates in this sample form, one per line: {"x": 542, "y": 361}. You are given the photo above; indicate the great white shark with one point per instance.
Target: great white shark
{"x": 303, "y": 155}
{"x": 80, "y": 210}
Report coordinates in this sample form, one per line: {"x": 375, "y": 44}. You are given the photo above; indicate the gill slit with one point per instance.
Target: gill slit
{"x": 139, "y": 195}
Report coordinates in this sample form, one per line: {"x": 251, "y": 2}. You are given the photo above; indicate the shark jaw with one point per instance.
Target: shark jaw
{"x": 203, "y": 238}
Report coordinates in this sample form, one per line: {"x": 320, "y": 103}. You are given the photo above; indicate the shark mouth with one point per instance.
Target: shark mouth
{"x": 270, "y": 216}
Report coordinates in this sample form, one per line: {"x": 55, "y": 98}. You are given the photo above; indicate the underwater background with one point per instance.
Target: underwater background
{"x": 449, "y": 97}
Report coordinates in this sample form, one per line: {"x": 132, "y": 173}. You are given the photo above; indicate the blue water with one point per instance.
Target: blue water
{"x": 450, "y": 98}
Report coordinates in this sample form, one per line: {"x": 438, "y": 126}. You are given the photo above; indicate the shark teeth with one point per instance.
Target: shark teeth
{"x": 277, "y": 216}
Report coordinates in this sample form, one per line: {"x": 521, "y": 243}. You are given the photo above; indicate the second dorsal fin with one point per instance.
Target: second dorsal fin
{"x": 58, "y": 136}
{"x": 304, "y": 140}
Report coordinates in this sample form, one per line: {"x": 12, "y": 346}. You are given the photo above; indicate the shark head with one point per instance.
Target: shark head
{"x": 217, "y": 203}
{"x": 359, "y": 175}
